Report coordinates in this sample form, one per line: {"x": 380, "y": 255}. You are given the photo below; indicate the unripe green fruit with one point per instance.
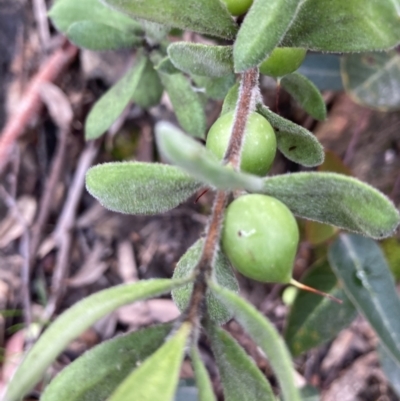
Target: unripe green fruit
{"x": 283, "y": 61}
{"x": 238, "y": 7}
{"x": 223, "y": 275}
{"x": 259, "y": 147}
{"x": 260, "y": 238}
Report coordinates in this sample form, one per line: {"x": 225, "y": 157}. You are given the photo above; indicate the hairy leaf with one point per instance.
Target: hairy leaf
{"x": 335, "y": 199}
{"x": 390, "y": 367}
{"x": 215, "y": 88}
{"x": 203, "y": 382}
{"x": 199, "y": 59}
{"x": 295, "y": 142}
{"x": 139, "y": 188}
{"x": 237, "y": 369}
{"x": 96, "y": 374}
{"x": 75, "y": 321}
{"x": 208, "y": 16}
{"x": 266, "y": 337}
{"x": 200, "y": 162}
{"x": 262, "y": 30}
{"x": 360, "y": 265}
{"x": 157, "y": 377}
{"x": 165, "y": 66}
{"x": 186, "y": 102}
{"x": 230, "y": 100}
{"x": 108, "y": 108}
{"x": 373, "y": 79}
{"x": 345, "y": 26}
{"x": 314, "y": 320}
{"x": 306, "y": 94}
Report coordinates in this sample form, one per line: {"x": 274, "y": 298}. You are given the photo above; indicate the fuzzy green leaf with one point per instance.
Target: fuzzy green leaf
{"x": 264, "y": 334}
{"x": 199, "y": 162}
{"x": 199, "y": 59}
{"x": 203, "y": 382}
{"x": 75, "y": 321}
{"x": 109, "y": 107}
{"x": 187, "y": 104}
{"x": 165, "y": 66}
{"x": 345, "y": 26}
{"x": 390, "y": 367}
{"x": 373, "y": 79}
{"x": 306, "y": 94}
{"x": 215, "y": 88}
{"x": 314, "y": 320}
{"x": 139, "y": 188}
{"x": 65, "y": 12}
{"x": 209, "y": 16}
{"x": 361, "y": 267}
{"x": 295, "y": 142}
{"x": 96, "y": 374}
{"x": 335, "y": 199}
{"x": 236, "y": 369}
{"x": 262, "y": 30}
{"x": 231, "y": 100}
{"x": 157, "y": 377}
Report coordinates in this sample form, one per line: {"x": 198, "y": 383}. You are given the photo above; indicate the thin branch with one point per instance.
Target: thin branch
{"x": 40, "y": 12}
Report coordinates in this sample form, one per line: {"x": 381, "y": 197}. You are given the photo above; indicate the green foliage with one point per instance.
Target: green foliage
{"x": 139, "y": 188}
{"x": 206, "y": 392}
{"x": 215, "y": 88}
{"x": 390, "y": 367}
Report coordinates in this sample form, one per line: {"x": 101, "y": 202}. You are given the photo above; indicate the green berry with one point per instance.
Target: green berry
{"x": 259, "y": 147}
{"x": 222, "y": 274}
{"x": 260, "y": 238}
{"x": 238, "y": 7}
{"x": 283, "y": 61}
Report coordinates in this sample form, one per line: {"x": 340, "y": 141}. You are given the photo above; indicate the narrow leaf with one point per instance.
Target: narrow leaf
{"x": 157, "y": 377}
{"x": 75, "y": 321}
{"x": 236, "y": 369}
{"x": 96, "y": 374}
{"x": 97, "y": 36}
{"x": 230, "y": 99}
{"x": 306, "y": 94}
{"x": 165, "y": 66}
{"x": 340, "y": 26}
{"x": 108, "y": 108}
{"x": 314, "y": 320}
{"x": 360, "y": 265}
{"x": 295, "y": 142}
{"x": 309, "y": 393}
{"x": 215, "y": 88}
{"x": 262, "y": 30}
{"x": 390, "y": 367}
{"x": 139, "y": 188}
{"x": 187, "y": 104}
{"x": 335, "y": 199}
{"x": 266, "y": 337}
{"x": 210, "y": 17}
{"x": 373, "y": 79}
{"x": 203, "y": 382}
{"x": 199, "y": 59}
{"x": 200, "y": 162}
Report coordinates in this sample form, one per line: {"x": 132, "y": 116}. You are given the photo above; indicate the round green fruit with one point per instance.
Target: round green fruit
{"x": 223, "y": 275}
{"x": 238, "y": 7}
{"x": 259, "y": 146}
{"x": 260, "y": 238}
{"x": 283, "y": 61}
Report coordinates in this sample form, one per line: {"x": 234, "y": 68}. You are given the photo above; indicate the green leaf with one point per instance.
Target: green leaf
{"x": 165, "y": 66}
{"x": 199, "y": 162}
{"x": 231, "y": 99}
{"x": 157, "y": 377}
{"x": 199, "y": 59}
{"x": 65, "y": 12}
{"x": 206, "y": 392}
{"x": 360, "y": 265}
{"x": 215, "y": 88}
{"x": 236, "y": 369}
{"x": 97, "y": 36}
{"x": 390, "y": 367}
{"x": 345, "y": 26}
{"x": 306, "y": 94}
{"x": 209, "y": 17}
{"x": 391, "y": 250}
{"x": 187, "y": 104}
{"x": 139, "y": 188}
{"x": 75, "y": 321}
{"x": 335, "y": 199}
{"x": 262, "y": 30}
{"x": 373, "y": 79}
{"x": 155, "y": 33}
{"x": 187, "y": 391}
{"x": 314, "y": 320}
{"x": 264, "y": 334}
{"x": 109, "y": 107}
{"x": 309, "y": 393}
{"x": 96, "y": 374}
{"x": 295, "y": 142}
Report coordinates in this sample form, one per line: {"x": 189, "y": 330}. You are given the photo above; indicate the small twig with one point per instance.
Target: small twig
{"x": 40, "y": 12}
